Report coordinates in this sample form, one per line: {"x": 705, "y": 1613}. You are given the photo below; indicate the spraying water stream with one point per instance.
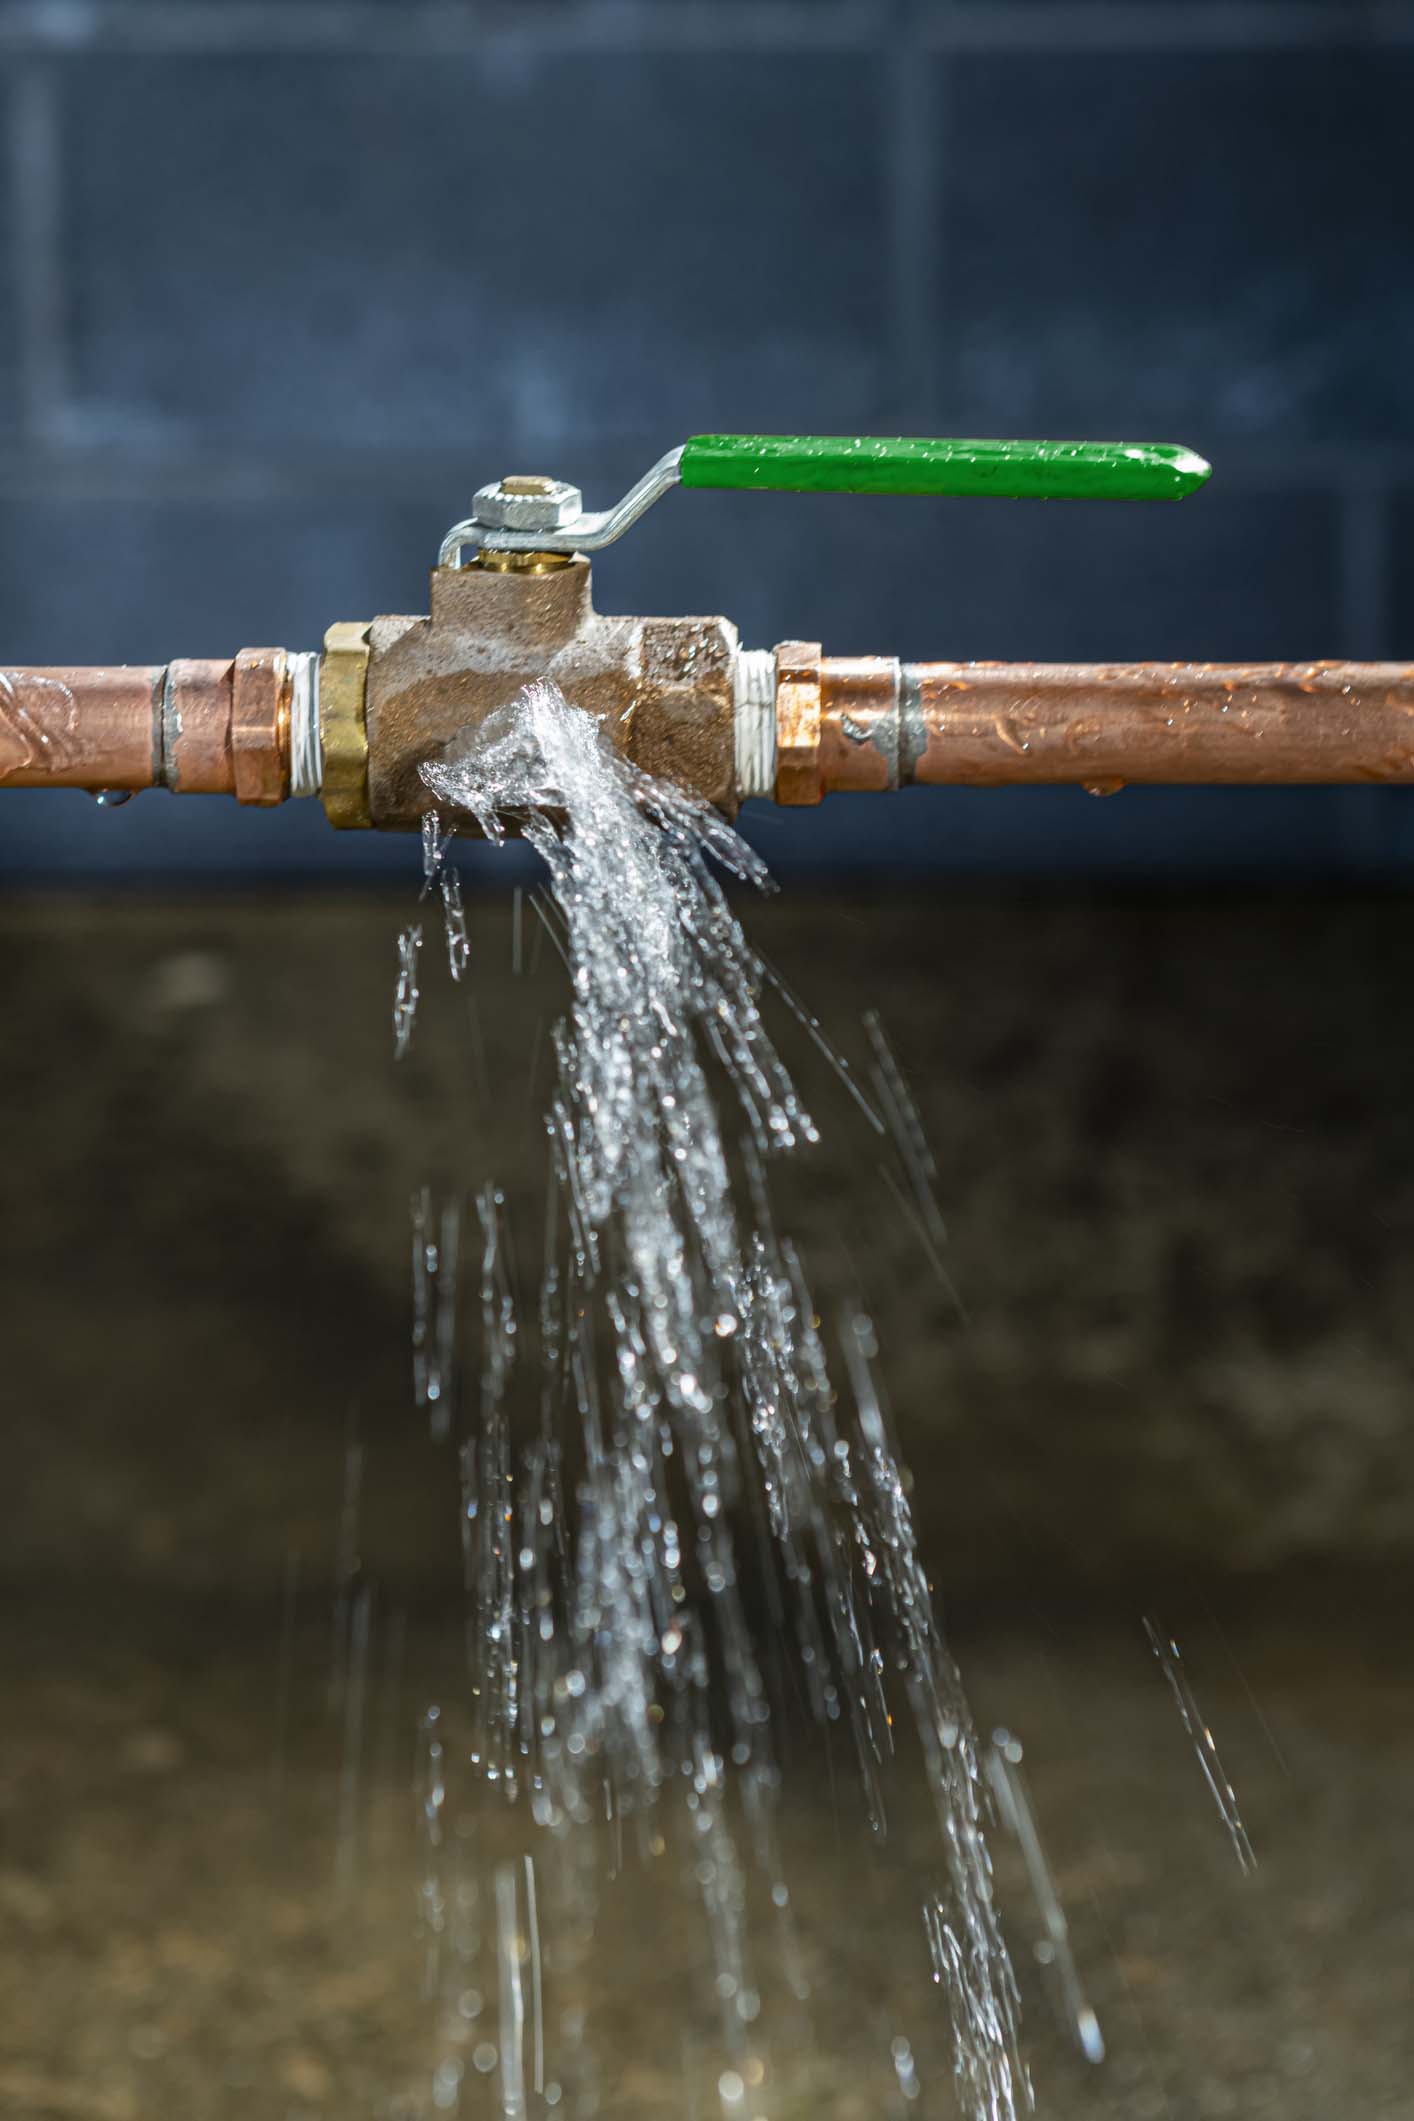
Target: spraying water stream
{"x": 708, "y": 1448}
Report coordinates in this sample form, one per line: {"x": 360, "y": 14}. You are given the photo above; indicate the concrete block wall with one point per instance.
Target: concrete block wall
{"x": 289, "y": 278}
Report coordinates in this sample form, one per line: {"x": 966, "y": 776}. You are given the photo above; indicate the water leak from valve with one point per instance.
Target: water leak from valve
{"x": 709, "y": 1444}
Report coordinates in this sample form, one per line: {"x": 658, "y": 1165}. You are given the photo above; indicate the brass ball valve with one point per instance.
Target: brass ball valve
{"x": 511, "y": 602}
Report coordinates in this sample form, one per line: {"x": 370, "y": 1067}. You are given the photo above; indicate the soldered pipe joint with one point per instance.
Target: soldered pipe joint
{"x": 839, "y": 723}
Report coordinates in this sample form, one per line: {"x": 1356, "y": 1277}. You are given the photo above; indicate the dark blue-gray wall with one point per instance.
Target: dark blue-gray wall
{"x": 290, "y": 277}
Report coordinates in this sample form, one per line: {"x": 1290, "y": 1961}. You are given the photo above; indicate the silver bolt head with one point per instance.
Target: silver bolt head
{"x": 555, "y": 505}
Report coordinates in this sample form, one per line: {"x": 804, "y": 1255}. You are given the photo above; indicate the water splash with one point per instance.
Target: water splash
{"x": 679, "y": 1364}
{"x": 1004, "y": 1772}
{"x": 1224, "y": 1796}
{"x": 436, "y": 1259}
{"x": 438, "y": 871}
{"x": 406, "y": 994}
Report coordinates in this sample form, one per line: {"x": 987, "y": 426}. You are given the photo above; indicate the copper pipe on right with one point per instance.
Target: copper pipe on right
{"x": 874, "y": 723}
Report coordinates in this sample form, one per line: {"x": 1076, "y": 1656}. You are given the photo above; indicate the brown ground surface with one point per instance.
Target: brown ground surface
{"x": 175, "y": 1940}
{"x": 1175, "y": 1146}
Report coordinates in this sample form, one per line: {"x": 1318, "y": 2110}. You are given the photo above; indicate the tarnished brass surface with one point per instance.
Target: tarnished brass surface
{"x": 1102, "y": 725}
{"x": 343, "y": 673}
{"x": 798, "y": 762}
{"x": 523, "y": 562}
{"x": 662, "y": 688}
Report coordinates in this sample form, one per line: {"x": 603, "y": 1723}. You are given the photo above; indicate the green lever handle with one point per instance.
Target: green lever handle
{"x": 553, "y": 518}
{"x": 1047, "y": 471}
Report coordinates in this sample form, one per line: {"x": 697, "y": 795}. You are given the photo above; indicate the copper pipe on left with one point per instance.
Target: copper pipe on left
{"x": 198, "y": 728}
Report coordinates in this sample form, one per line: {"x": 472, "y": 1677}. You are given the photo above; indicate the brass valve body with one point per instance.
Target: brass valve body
{"x": 662, "y": 688}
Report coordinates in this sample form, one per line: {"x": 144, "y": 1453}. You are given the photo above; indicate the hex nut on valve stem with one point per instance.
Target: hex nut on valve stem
{"x": 527, "y": 501}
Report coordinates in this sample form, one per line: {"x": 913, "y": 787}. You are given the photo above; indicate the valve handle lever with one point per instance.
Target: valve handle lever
{"x": 1047, "y": 471}
{"x": 545, "y": 515}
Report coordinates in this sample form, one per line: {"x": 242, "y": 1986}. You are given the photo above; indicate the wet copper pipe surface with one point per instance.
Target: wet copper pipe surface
{"x": 860, "y": 725}
{"x": 79, "y": 728}
{"x": 197, "y": 727}
{"x": 886, "y": 725}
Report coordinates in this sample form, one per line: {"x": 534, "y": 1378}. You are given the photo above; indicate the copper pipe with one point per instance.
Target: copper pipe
{"x": 842, "y": 723}
{"x": 200, "y": 728}
{"x": 80, "y": 728}
{"x": 885, "y": 725}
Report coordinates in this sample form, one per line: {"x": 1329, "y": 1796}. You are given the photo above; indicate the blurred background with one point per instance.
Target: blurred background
{"x": 288, "y": 280}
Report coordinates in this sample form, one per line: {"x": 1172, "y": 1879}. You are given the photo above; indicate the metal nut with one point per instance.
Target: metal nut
{"x": 798, "y": 777}
{"x": 260, "y": 725}
{"x": 527, "y": 503}
{"x": 343, "y": 730}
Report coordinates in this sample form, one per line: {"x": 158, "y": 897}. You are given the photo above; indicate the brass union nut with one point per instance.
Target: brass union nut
{"x": 343, "y": 730}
